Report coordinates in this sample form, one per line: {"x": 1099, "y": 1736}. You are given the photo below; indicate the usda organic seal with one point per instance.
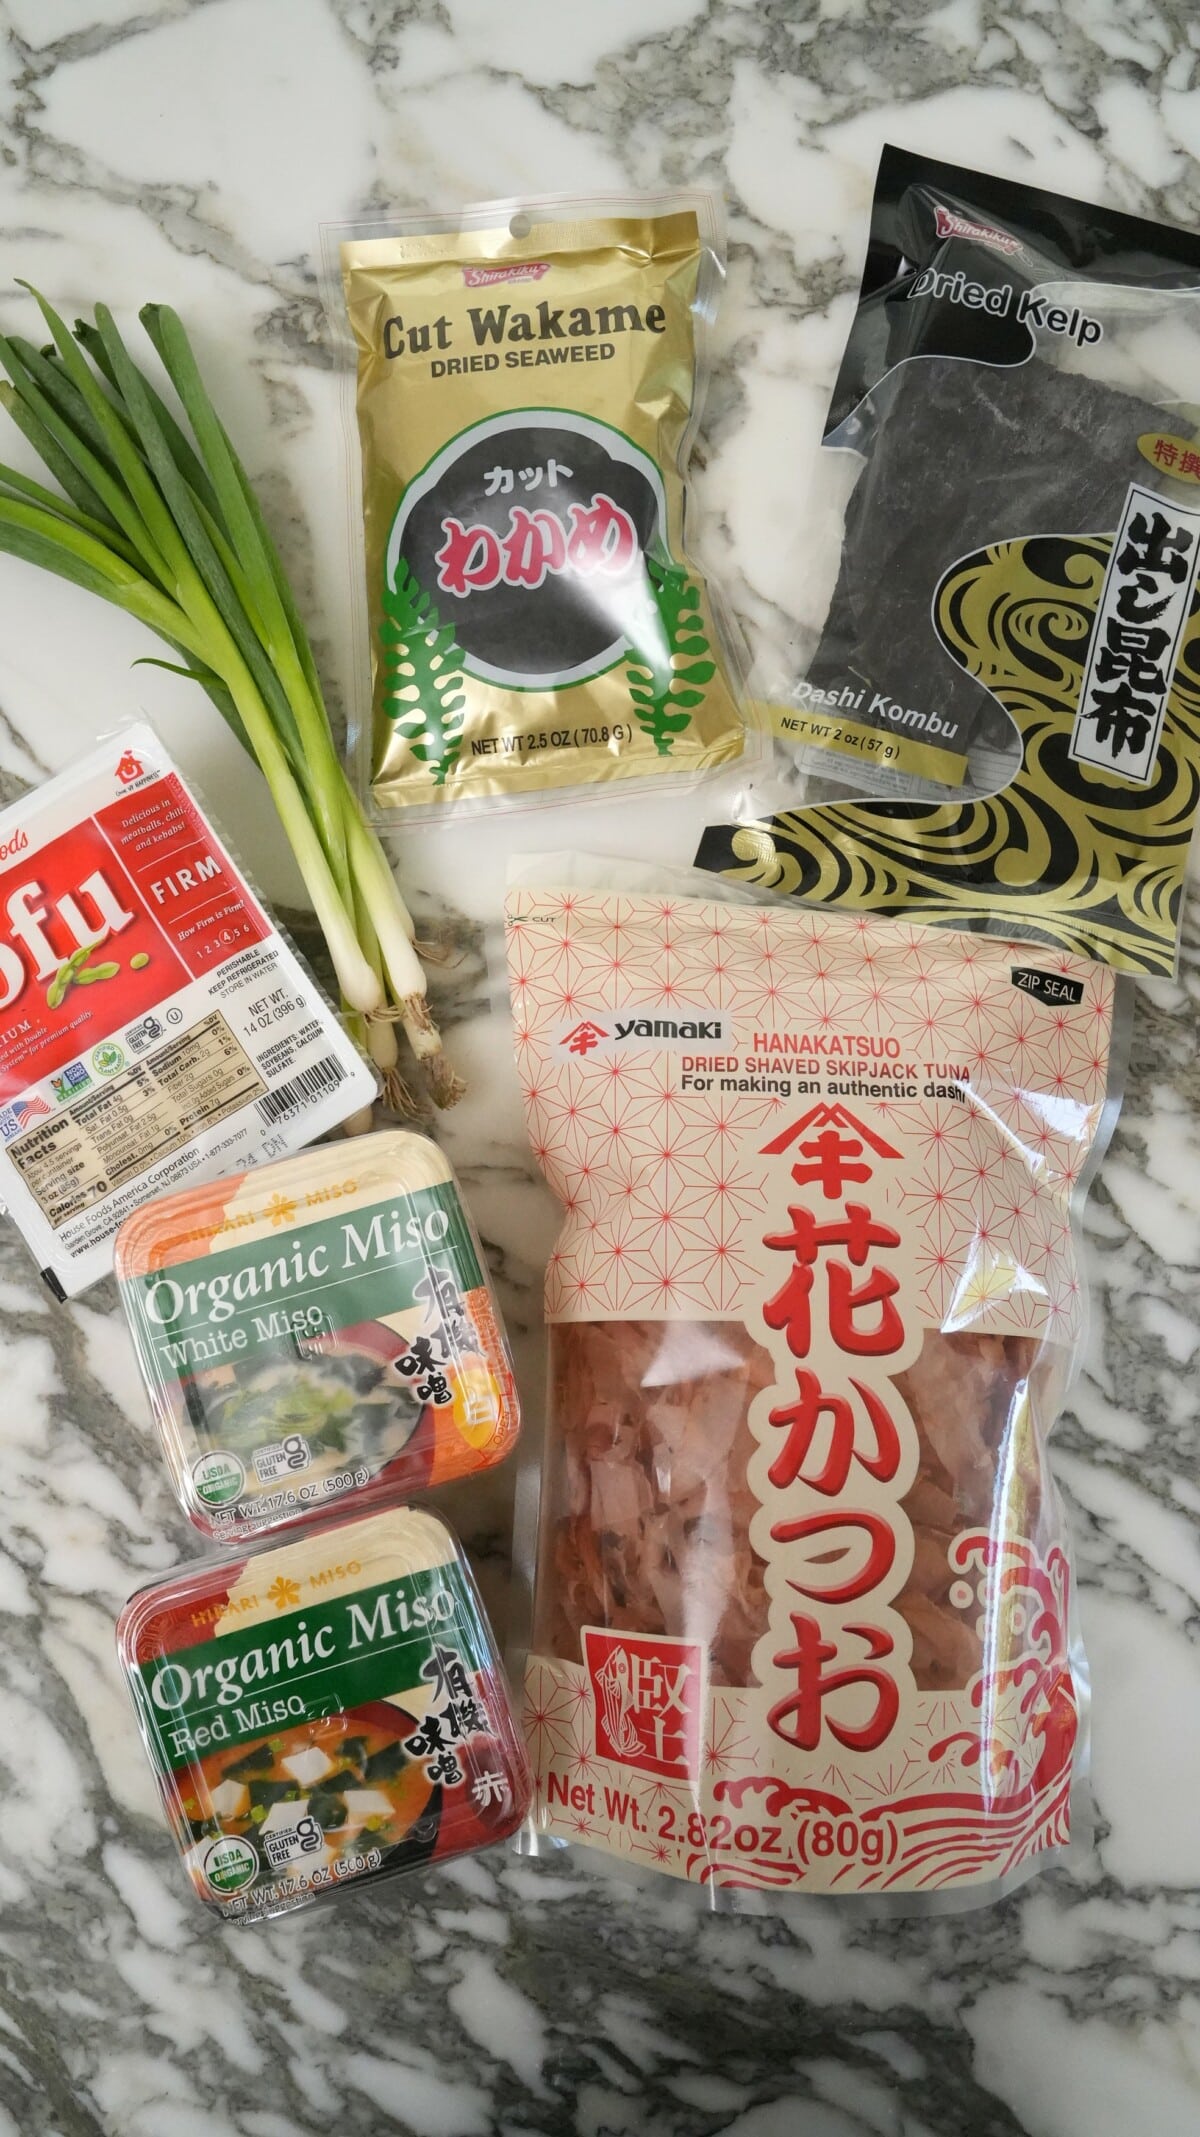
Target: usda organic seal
{"x": 230, "y": 1864}
{"x": 219, "y": 1478}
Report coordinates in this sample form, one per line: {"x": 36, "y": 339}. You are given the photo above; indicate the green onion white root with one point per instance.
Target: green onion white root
{"x": 161, "y": 520}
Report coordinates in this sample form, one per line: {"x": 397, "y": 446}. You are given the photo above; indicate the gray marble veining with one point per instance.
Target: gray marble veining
{"x": 186, "y": 150}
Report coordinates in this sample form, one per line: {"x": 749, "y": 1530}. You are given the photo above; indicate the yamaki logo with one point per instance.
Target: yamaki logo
{"x": 644, "y": 1027}
{"x": 584, "y": 1037}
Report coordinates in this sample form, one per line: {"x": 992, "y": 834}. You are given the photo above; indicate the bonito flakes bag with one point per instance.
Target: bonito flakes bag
{"x": 529, "y": 384}
{"x": 803, "y": 1615}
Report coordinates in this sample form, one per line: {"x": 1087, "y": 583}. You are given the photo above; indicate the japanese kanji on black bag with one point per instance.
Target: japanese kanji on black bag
{"x": 1010, "y": 661}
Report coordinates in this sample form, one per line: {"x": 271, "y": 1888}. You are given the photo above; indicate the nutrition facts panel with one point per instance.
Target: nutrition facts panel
{"x": 127, "y": 1125}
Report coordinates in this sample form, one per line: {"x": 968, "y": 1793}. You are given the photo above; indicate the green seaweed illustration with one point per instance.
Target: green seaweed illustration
{"x": 423, "y": 684}
{"x": 666, "y": 678}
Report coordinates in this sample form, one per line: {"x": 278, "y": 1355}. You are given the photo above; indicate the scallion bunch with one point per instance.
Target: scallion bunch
{"x": 166, "y": 525}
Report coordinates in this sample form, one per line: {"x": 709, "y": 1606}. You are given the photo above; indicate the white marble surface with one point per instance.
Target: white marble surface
{"x": 185, "y": 150}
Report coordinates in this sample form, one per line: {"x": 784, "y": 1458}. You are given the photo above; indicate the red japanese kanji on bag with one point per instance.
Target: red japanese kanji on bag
{"x": 803, "y": 1615}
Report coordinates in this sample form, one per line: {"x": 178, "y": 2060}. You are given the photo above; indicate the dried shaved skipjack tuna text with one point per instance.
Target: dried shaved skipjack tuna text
{"x": 803, "y": 1615}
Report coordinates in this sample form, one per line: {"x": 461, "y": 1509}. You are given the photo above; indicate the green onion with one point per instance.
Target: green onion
{"x": 166, "y": 526}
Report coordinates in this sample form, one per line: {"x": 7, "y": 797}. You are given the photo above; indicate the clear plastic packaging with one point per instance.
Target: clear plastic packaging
{"x": 159, "y": 1027}
{"x": 803, "y": 1602}
{"x": 327, "y": 1712}
{"x": 530, "y": 375}
{"x": 317, "y": 1331}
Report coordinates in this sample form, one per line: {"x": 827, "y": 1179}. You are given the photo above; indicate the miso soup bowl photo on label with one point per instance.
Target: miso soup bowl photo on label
{"x": 317, "y": 1332}
{"x": 327, "y": 1711}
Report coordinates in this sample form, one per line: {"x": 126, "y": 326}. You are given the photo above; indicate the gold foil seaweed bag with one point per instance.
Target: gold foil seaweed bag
{"x": 528, "y": 389}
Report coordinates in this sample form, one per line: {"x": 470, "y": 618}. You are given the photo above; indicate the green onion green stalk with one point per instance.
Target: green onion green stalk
{"x": 166, "y": 525}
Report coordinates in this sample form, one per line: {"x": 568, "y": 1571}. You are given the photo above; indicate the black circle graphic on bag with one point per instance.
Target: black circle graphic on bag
{"x": 530, "y": 537}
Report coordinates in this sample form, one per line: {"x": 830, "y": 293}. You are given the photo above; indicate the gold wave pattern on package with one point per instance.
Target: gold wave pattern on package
{"x": 526, "y": 405}
{"x": 1067, "y": 852}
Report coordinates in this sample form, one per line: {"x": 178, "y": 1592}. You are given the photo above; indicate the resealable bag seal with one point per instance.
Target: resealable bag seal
{"x": 524, "y": 382}
{"x": 1010, "y": 660}
{"x": 804, "y": 1611}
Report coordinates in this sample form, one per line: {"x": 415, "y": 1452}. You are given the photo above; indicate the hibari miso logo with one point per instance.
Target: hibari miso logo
{"x": 649, "y": 1696}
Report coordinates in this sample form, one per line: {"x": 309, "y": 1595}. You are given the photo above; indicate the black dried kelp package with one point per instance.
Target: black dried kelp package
{"x": 1009, "y": 667}
{"x": 1016, "y": 363}
{"x": 962, "y": 454}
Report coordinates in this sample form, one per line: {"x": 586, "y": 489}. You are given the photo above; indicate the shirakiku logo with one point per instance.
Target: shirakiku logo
{"x": 948, "y": 224}
{"x": 514, "y": 271}
{"x": 677, "y": 1032}
{"x": 649, "y": 1701}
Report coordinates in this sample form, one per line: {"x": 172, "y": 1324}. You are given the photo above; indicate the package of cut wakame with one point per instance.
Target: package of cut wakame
{"x": 529, "y": 382}
{"x": 1009, "y": 663}
{"x": 328, "y": 1711}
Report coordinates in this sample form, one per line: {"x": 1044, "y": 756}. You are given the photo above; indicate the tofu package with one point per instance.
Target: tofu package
{"x": 157, "y": 1027}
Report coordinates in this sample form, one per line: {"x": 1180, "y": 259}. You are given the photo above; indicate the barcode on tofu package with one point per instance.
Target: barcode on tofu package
{"x": 803, "y": 1617}
{"x": 157, "y": 1027}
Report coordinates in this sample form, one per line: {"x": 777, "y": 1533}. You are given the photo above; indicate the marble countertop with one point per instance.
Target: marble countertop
{"x": 186, "y": 150}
